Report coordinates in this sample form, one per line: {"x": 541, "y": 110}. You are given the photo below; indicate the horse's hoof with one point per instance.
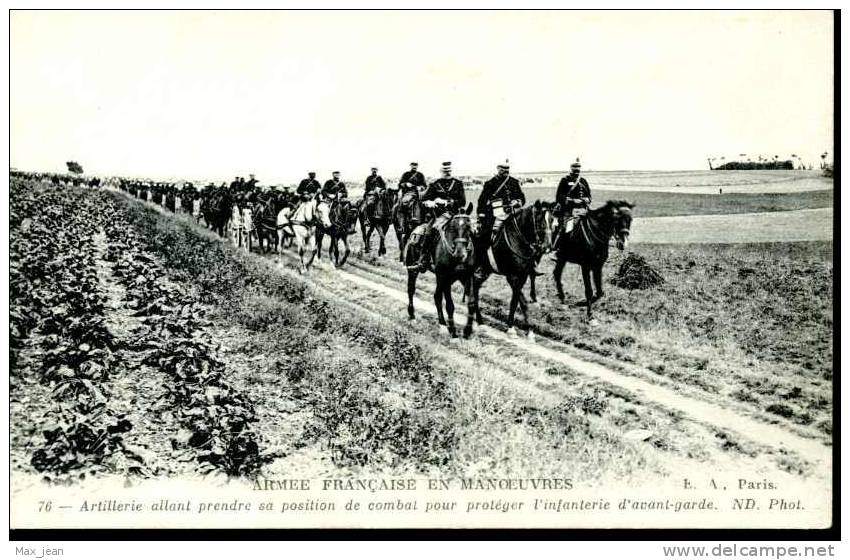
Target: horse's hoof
{"x": 467, "y": 332}
{"x": 512, "y": 332}
{"x": 531, "y": 336}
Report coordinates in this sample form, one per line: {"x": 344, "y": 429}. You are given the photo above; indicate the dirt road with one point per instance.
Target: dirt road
{"x": 377, "y": 294}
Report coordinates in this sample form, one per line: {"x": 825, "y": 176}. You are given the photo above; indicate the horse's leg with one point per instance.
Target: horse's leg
{"x": 311, "y": 247}
{"x": 335, "y": 245}
{"x": 411, "y": 290}
{"x": 516, "y": 287}
{"x": 320, "y": 236}
{"x": 523, "y": 305}
{"x": 597, "y": 280}
{"x": 450, "y": 307}
{"x": 559, "y": 270}
{"x": 470, "y": 305}
{"x": 367, "y": 233}
{"x": 478, "y": 279}
{"x": 382, "y": 233}
{"x": 347, "y": 250}
{"x": 533, "y": 291}
{"x": 438, "y": 301}
{"x": 588, "y": 288}
{"x": 399, "y": 233}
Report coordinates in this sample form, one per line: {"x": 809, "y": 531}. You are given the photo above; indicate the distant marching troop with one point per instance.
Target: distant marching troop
{"x": 435, "y": 226}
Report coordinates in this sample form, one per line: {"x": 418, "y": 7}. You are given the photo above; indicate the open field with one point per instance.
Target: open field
{"x": 727, "y": 365}
{"x": 699, "y": 182}
{"x": 652, "y": 204}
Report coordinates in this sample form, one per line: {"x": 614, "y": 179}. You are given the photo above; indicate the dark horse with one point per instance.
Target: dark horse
{"x": 524, "y": 236}
{"x": 587, "y": 246}
{"x": 187, "y": 197}
{"x": 407, "y": 214}
{"x": 343, "y": 216}
{"x": 375, "y": 213}
{"x": 265, "y": 224}
{"x": 216, "y": 210}
{"x": 453, "y": 256}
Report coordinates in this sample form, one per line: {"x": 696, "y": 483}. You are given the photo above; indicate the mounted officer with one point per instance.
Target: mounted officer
{"x": 373, "y": 187}
{"x": 411, "y": 180}
{"x": 441, "y": 199}
{"x": 572, "y": 198}
{"x": 308, "y": 187}
{"x": 334, "y": 188}
{"x": 499, "y": 197}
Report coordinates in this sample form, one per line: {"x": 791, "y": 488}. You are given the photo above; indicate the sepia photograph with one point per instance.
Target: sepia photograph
{"x": 422, "y": 269}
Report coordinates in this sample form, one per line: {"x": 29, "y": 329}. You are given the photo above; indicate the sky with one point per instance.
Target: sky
{"x": 218, "y": 94}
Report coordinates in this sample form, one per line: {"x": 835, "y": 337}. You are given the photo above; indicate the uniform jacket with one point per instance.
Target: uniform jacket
{"x": 374, "y": 182}
{"x": 504, "y": 189}
{"x": 307, "y": 187}
{"x": 569, "y": 188}
{"x": 415, "y": 178}
{"x": 450, "y": 189}
{"x": 332, "y": 188}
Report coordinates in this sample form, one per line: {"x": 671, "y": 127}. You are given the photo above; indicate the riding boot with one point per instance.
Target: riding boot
{"x": 424, "y": 264}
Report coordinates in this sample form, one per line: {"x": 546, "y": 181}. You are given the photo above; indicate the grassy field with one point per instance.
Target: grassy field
{"x": 363, "y": 394}
{"x": 750, "y": 322}
{"x": 654, "y": 204}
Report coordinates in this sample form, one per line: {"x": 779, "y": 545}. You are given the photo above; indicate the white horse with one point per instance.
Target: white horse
{"x": 302, "y": 227}
{"x": 235, "y": 225}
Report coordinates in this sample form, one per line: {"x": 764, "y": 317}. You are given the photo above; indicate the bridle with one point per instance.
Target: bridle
{"x": 537, "y": 245}
{"x": 464, "y": 241}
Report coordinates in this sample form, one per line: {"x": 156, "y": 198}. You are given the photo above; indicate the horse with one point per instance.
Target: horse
{"x": 302, "y": 226}
{"x": 187, "y": 201}
{"x": 216, "y": 210}
{"x": 235, "y": 225}
{"x": 587, "y": 246}
{"x": 524, "y": 235}
{"x": 343, "y": 217}
{"x": 454, "y": 261}
{"x": 374, "y": 211}
{"x": 247, "y": 225}
{"x": 407, "y": 214}
{"x": 265, "y": 224}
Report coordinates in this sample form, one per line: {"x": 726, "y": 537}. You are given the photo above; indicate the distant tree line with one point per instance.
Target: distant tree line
{"x": 749, "y": 165}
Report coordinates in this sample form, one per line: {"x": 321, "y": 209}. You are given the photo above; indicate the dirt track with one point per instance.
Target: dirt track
{"x": 371, "y": 292}
{"x": 372, "y": 289}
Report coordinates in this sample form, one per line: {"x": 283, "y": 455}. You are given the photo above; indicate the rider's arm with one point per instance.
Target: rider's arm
{"x": 481, "y": 207}
{"x": 460, "y": 200}
{"x": 520, "y": 194}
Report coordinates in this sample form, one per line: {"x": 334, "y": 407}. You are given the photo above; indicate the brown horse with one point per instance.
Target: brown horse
{"x": 587, "y": 245}
{"x": 407, "y": 214}
{"x": 524, "y": 236}
{"x": 343, "y": 217}
{"x": 375, "y": 213}
{"x": 453, "y": 256}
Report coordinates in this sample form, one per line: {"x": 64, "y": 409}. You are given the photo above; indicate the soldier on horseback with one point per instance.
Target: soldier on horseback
{"x": 442, "y": 198}
{"x": 500, "y": 195}
{"x": 373, "y": 187}
{"x": 411, "y": 181}
{"x": 572, "y": 198}
{"x": 334, "y": 188}
{"x": 307, "y": 188}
